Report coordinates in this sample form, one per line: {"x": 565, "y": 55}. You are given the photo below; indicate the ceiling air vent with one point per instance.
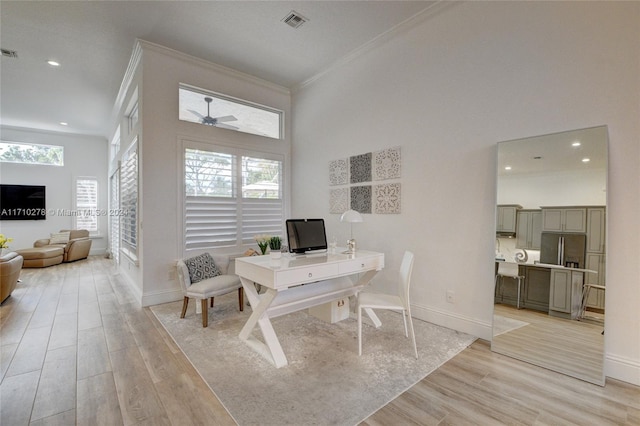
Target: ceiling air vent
{"x": 9, "y": 53}
{"x": 294, "y": 19}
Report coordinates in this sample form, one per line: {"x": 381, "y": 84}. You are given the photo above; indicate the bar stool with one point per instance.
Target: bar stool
{"x": 509, "y": 270}
{"x": 586, "y": 288}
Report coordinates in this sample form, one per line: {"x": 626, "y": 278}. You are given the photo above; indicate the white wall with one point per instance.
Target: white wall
{"x": 162, "y": 133}
{"x": 447, "y": 90}
{"x": 571, "y": 188}
{"x": 83, "y": 156}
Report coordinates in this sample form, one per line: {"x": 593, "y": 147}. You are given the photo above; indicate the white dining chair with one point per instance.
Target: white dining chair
{"x": 395, "y": 302}
{"x": 509, "y": 270}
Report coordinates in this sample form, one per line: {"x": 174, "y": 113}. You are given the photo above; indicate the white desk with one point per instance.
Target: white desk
{"x": 295, "y": 283}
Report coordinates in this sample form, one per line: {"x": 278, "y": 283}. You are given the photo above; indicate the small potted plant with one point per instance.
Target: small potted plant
{"x": 275, "y": 244}
{"x": 263, "y": 241}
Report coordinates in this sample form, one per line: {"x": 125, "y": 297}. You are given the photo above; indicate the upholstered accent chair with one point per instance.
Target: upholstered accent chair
{"x": 76, "y": 247}
{"x": 10, "y": 266}
{"x": 204, "y": 277}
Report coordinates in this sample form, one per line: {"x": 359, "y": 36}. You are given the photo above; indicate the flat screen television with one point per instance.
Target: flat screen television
{"x": 306, "y": 235}
{"x": 22, "y": 202}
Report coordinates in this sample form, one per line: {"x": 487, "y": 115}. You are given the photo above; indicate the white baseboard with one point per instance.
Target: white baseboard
{"x": 157, "y": 298}
{"x": 457, "y": 322}
{"x": 621, "y": 368}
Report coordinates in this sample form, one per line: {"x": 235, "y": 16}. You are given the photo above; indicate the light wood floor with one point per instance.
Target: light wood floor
{"x": 566, "y": 346}
{"x": 77, "y": 349}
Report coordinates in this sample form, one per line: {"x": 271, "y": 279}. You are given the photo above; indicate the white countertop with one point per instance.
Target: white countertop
{"x": 550, "y": 266}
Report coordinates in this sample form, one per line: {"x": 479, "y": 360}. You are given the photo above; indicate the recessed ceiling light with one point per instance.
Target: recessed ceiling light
{"x": 576, "y": 143}
{"x": 53, "y": 63}
{"x": 507, "y": 168}
{"x": 64, "y": 123}
{"x": 586, "y": 160}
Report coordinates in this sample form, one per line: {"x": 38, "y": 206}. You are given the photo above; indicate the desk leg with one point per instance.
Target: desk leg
{"x": 271, "y": 348}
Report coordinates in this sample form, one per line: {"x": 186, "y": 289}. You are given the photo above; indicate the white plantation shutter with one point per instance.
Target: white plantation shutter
{"x": 129, "y": 202}
{"x": 114, "y": 219}
{"x": 87, "y": 204}
{"x": 221, "y": 212}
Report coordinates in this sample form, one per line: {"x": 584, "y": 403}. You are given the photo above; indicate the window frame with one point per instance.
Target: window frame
{"x": 88, "y": 210}
{"x": 238, "y": 101}
{"x": 33, "y": 145}
{"x": 130, "y": 203}
{"x": 244, "y": 238}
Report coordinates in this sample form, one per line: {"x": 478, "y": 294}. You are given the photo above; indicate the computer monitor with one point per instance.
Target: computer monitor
{"x": 306, "y": 235}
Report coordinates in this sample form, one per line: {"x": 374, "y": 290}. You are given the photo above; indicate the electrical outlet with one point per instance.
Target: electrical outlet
{"x": 451, "y": 296}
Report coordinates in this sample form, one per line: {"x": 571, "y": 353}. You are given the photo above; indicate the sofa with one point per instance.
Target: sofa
{"x": 76, "y": 248}
{"x": 63, "y": 246}
{"x": 10, "y": 266}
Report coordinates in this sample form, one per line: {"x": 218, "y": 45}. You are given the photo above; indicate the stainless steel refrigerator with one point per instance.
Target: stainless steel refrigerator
{"x": 563, "y": 249}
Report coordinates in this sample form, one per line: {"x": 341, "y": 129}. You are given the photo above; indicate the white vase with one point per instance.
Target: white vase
{"x": 276, "y": 254}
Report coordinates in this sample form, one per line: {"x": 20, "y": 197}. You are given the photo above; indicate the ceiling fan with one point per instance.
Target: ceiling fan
{"x": 211, "y": 121}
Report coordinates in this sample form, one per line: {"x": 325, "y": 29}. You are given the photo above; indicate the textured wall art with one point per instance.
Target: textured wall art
{"x": 386, "y": 198}
{"x": 339, "y": 200}
{"x": 386, "y": 164}
{"x": 361, "y": 198}
{"x": 360, "y": 168}
{"x": 357, "y": 170}
{"x": 339, "y": 172}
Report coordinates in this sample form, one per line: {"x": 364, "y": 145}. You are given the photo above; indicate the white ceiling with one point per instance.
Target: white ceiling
{"x": 94, "y": 40}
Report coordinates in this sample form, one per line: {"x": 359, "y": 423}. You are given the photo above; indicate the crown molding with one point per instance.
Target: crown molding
{"x": 426, "y": 13}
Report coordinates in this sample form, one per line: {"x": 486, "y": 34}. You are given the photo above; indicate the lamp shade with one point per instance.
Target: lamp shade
{"x": 351, "y": 216}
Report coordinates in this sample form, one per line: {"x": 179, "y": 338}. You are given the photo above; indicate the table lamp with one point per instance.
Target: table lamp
{"x": 351, "y": 216}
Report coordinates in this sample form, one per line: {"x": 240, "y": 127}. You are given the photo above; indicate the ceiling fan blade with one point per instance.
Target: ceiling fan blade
{"x": 196, "y": 113}
{"x": 226, "y": 118}
{"x": 226, "y": 126}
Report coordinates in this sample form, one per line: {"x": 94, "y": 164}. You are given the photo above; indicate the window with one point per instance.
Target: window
{"x": 28, "y": 153}
{"x": 230, "y": 196}
{"x": 213, "y": 109}
{"x": 115, "y": 144}
{"x": 87, "y": 204}
{"x": 129, "y": 202}
{"x": 114, "y": 219}
{"x": 132, "y": 117}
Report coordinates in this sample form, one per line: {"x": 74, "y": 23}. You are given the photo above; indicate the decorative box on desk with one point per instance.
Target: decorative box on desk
{"x": 332, "y": 312}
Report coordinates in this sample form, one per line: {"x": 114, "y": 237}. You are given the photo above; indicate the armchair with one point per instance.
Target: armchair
{"x": 10, "y": 266}
{"x": 207, "y": 287}
{"x": 76, "y": 248}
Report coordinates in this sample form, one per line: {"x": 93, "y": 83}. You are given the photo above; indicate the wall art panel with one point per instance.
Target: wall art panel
{"x": 386, "y": 198}
{"x": 339, "y": 172}
{"x": 360, "y": 168}
{"x": 361, "y": 198}
{"x": 386, "y": 164}
{"x": 339, "y": 200}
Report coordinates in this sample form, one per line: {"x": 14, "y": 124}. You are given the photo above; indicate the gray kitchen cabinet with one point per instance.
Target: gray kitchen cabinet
{"x": 564, "y": 219}
{"x": 596, "y": 221}
{"x": 565, "y": 293}
{"x": 536, "y": 288}
{"x": 529, "y": 229}
{"x": 506, "y": 218}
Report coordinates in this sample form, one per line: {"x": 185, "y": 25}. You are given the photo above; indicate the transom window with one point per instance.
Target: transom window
{"x": 213, "y": 109}
{"x": 30, "y": 153}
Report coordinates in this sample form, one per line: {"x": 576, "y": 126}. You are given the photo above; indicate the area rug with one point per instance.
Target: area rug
{"x": 503, "y": 325}
{"x": 326, "y": 382}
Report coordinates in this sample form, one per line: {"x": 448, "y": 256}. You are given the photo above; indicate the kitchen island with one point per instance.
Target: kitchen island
{"x": 550, "y": 288}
